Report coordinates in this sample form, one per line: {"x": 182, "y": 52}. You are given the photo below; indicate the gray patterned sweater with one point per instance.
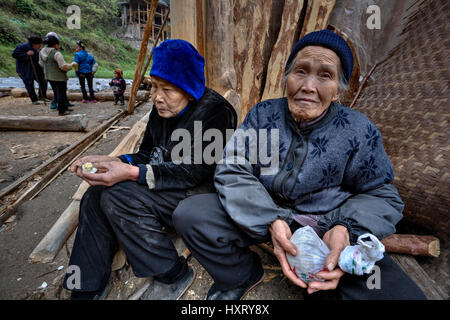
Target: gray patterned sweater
{"x": 334, "y": 171}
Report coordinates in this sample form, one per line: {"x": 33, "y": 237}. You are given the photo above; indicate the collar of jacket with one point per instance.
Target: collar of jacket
{"x": 330, "y": 114}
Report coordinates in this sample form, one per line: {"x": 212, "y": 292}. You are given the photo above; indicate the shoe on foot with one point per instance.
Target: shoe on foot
{"x": 68, "y": 104}
{"x": 70, "y": 110}
{"x": 35, "y": 102}
{"x": 93, "y": 101}
{"x": 84, "y": 101}
{"x": 236, "y": 293}
{"x": 92, "y": 295}
{"x": 173, "y": 291}
{"x": 65, "y": 113}
{"x": 53, "y": 106}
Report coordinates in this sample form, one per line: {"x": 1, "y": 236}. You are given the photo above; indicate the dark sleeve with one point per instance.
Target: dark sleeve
{"x": 241, "y": 193}
{"x": 20, "y": 53}
{"x": 124, "y": 84}
{"x": 170, "y": 175}
{"x": 143, "y": 155}
{"x": 376, "y": 206}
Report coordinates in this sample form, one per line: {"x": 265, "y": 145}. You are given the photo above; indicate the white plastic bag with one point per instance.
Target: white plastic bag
{"x": 361, "y": 258}
{"x": 312, "y": 252}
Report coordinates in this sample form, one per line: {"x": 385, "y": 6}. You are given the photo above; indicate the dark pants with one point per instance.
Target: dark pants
{"x": 223, "y": 250}
{"x": 60, "y": 94}
{"x": 29, "y": 85}
{"x": 117, "y": 97}
{"x": 132, "y": 216}
{"x": 89, "y": 78}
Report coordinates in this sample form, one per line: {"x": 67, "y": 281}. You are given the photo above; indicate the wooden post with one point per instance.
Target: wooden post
{"x": 287, "y": 37}
{"x": 141, "y": 58}
{"x": 219, "y": 55}
{"x": 139, "y": 20}
{"x": 317, "y": 15}
{"x": 155, "y": 43}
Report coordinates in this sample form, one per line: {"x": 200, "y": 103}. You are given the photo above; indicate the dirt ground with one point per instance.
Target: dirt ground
{"x": 23, "y": 151}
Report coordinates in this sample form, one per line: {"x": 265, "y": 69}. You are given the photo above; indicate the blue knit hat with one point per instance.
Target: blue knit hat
{"x": 329, "y": 39}
{"x": 178, "y": 62}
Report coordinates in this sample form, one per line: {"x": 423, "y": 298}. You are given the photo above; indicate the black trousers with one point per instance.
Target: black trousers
{"x": 60, "y": 94}
{"x": 223, "y": 250}
{"x": 131, "y": 216}
{"x": 29, "y": 86}
{"x": 117, "y": 97}
{"x": 82, "y": 78}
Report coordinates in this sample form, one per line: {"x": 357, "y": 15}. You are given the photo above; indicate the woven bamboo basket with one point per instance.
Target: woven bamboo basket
{"x": 408, "y": 99}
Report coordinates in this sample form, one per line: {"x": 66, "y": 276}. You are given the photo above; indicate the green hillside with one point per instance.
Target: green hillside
{"x": 19, "y": 18}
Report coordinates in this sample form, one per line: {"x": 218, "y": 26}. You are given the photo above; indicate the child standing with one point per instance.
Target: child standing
{"x": 119, "y": 85}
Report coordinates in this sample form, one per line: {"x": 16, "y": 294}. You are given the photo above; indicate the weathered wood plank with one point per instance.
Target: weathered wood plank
{"x": 75, "y": 122}
{"x": 429, "y": 287}
{"x": 287, "y": 37}
{"x": 317, "y": 15}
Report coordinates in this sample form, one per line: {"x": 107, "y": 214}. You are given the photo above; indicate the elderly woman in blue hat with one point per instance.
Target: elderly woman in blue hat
{"x": 132, "y": 197}
{"x": 333, "y": 175}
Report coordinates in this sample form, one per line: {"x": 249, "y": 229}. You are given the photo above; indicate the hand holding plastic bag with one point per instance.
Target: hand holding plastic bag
{"x": 312, "y": 253}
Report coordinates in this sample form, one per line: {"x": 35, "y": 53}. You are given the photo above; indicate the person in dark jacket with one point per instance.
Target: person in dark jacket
{"x": 327, "y": 169}
{"x": 119, "y": 86}
{"x": 28, "y": 68}
{"x": 132, "y": 197}
{"x": 87, "y": 67}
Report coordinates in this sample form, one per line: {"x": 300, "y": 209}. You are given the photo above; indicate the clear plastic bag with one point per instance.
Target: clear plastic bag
{"x": 361, "y": 258}
{"x": 312, "y": 253}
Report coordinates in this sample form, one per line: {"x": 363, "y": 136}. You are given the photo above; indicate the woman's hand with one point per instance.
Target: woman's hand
{"x": 337, "y": 238}
{"x": 281, "y": 233}
{"x": 111, "y": 172}
{"x": 78, "y": 163}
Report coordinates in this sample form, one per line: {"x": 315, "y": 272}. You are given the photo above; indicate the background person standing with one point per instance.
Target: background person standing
{"x": 27, "y": 59}
{"x": 87, "y": 66}
{"x": 56, "y": 72}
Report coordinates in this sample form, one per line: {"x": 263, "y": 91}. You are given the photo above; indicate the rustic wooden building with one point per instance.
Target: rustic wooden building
{"x": 134, "y": 18}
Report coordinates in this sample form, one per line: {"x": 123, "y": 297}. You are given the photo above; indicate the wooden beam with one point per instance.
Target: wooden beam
{"x": 287, "y": 37}
{"x": 254, "y": 37}
{"x": 158, "y": 37}
{"x": 411, "y": 267}
{"x": 76, "y": 122}
{"x": 141, "y": 58}
{"x": 412, "y": 244}
{"x": 51, "y": 244}
{"x": 317, "y": 16}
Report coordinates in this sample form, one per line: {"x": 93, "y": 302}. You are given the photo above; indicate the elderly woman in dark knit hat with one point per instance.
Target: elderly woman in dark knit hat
{"x": 132, "y": 197}
{"x": 332, "y": 174}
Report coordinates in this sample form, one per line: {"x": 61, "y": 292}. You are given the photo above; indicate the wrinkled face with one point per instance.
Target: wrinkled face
{"x": 312, "y": 84}
{"x": 167, "y": 98}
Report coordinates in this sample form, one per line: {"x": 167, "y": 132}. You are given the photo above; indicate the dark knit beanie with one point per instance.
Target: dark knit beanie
{"x": 328, "y": 39}
{"x": 50, "y": 41}
{"x": 178, "y": 62}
